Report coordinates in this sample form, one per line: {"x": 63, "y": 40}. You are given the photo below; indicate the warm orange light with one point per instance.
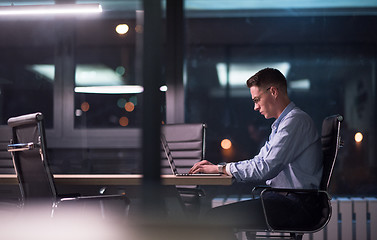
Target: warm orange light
{"x": 85, "y": 106}
{"x": 139, "y": 28}
{"x": 358, "y": 137}
{"x": 123, "y": 121}
{"x": 226, "y": 144}
{"x": 129, "y": 106}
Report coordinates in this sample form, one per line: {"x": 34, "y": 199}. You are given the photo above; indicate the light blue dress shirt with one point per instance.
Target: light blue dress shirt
{"x": 291, "y": 158}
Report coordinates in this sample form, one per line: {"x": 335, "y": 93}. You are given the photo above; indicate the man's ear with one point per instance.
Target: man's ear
{"x": 274, "y": 91}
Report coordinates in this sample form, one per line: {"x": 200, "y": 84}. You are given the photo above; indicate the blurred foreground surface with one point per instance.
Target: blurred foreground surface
{"x": 90, "y": 223}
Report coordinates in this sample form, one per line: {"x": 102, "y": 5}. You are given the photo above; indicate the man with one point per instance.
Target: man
{"x": 290, "y": 158}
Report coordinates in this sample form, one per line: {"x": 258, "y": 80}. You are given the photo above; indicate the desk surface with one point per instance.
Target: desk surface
{"x": 125, "y": 179}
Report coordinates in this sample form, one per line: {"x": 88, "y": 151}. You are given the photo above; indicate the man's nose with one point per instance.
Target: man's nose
{"x": 256, "y": 107}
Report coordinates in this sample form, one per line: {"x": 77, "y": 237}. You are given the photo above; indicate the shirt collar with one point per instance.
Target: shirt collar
{"x": 287, "y": 109}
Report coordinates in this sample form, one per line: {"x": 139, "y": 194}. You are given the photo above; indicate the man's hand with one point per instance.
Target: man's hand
{"x": 204, "y": 167}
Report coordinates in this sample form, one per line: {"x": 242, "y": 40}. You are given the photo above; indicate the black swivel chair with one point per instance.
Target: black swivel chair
{"x": 331, "y": 143}
{"x": 36, "y": 182}
{"x": 187, "y": 145}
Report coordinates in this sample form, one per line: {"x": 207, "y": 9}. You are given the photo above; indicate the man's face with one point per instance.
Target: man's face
{"x": 263, "y": 101}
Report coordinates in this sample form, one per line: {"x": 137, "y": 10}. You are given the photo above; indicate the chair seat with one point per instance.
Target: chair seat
{"x": 313, "y": 216}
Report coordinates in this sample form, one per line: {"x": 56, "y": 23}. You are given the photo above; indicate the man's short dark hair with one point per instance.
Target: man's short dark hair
{"x": 268, "y": 77}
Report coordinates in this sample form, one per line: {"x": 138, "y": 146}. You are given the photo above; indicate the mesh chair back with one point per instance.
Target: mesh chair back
{"x": 29, "y": 158}
{"x": 330, "y": 145}
{"x": 186, "y": 143}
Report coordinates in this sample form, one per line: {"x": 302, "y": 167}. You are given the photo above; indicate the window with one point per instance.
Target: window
{"x": 106, "y": 92}
{"x": 329, "y": 62}
{"x": 26, "y": 84}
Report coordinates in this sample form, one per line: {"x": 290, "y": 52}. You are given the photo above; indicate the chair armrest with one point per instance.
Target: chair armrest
{"x": 63, "y": 203}
{"x": 96, "y": 198}
{"x": 22, "y": 146}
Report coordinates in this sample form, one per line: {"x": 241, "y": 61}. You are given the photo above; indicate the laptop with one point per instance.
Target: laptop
{"x": 173, "y": 168}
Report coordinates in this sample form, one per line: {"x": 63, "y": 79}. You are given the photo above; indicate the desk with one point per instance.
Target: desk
{"x": 124, "y": 179}
{"x": 130, "y": 181}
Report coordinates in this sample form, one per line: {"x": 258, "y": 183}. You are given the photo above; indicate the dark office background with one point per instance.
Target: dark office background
{"x": 328, "y": 54}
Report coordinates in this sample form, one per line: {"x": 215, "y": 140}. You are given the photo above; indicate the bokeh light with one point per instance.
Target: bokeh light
{"x": 129, "y": 106}
{"x": 121, "y": 102}
{"x": 120, "y": 70}
{"x": 78, "y": 113}
{"x": 163, "y": 88}
{"x": 85, "y": 106}
{"x": 139, "y": 28}
{"x": 123, "y": 121}
{"x": 122, "y": 29}
{"x": 358, "y": 137}
{"x": 133, "y": 99}
{"x": 226, "y": 144}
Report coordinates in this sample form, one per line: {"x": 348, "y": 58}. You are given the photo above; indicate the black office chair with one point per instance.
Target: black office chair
{"x": 331, "y": 142}
{"x": 9, "y": 194}
{"x": 36, "y": 182}
{"x": 187, "y": 145}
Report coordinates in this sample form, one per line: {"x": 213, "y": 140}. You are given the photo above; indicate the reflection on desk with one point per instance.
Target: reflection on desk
{"x": 124, "y": 179}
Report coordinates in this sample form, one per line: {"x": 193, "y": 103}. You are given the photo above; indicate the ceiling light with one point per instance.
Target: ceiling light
{"x": 302, "y": 84}
{"x": 123, "y": 89}
{"x": 86, "y": 74}
{"x": 50, "y": 9}
{"x": 240, "y": 72}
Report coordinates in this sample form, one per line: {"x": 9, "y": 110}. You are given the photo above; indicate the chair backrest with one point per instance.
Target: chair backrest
{"x": 28, "y": 149}
{"x": 331, "y": 143}
{"x": 187, "y": 145}
{"x": 6, "y": 164}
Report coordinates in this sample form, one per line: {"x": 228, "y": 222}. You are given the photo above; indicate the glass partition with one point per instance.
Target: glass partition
{"x": 106, "y": 92}
{"x": 327, "y": 54}
{"x": 84, "y": 74}
{"x": 26, "y": 81}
